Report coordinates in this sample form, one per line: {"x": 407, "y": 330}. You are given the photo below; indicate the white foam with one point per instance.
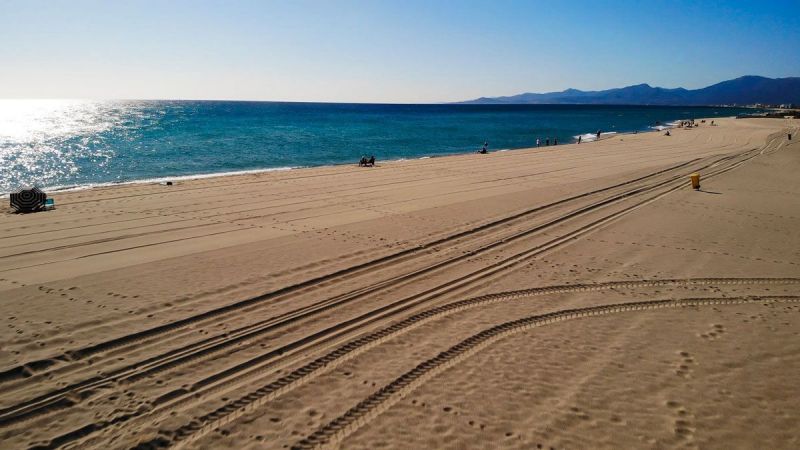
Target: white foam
{"x": 589, "y": 137}
{"x": 82, "y": 187}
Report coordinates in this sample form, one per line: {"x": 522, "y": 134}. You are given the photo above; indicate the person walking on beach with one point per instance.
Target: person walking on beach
{"x": 537, "y": 142}
{"x": 555, "y": 141}
{"x": 547, "y": 142}
{"x": 598, "y": 134}
{"x": 579, "y": 139}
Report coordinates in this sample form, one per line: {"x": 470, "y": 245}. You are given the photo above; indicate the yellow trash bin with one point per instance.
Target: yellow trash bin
{"x": 695, "y": 180}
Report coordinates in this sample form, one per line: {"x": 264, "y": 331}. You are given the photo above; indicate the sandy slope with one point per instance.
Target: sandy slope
{"x": 134, "y": 312}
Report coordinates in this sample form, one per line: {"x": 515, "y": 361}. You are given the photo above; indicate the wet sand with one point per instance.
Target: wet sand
{"x": 365, "y": 307}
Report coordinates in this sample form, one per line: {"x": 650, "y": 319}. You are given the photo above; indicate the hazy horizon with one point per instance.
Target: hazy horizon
{"x": 383, "y": 52}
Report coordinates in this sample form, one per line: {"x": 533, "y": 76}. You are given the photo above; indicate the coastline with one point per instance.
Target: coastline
{"x": 58, "y": 189}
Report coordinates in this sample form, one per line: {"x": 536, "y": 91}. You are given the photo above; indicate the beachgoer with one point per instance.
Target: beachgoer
{"x": 712, "y": 122}
{"x": 537, "y": 142}
{"x": 547, "y": 142}
{"x": 598, "y": 134}
{"x": 667, "y": 133}
{"x": 372, "y": 160}
{"x": 579, "y": 139}
{"x": 555, "y": 141}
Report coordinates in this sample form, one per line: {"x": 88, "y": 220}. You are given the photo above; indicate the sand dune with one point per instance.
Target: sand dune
{"x": 570, "y": 296}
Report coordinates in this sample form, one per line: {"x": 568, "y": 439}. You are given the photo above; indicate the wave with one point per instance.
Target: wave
{"x": 590, "y": 137}
{"x": 83, "y": 187}
{"x": 665, "y": 126}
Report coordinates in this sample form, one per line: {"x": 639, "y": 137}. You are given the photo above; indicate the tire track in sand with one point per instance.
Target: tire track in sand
{"x": 359, "y": 415}
{"x": 257, "y": 398}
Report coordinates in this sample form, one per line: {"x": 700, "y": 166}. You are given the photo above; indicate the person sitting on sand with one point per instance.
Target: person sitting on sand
{"x": 372, "y": 160}
{"x": 363, "y": 161}
{"x": 667, "y": 133}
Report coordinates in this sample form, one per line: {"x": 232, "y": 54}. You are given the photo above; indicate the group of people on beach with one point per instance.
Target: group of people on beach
{"x": 687, "y": 124}
{"x": 367, "y": 162}
{"x": 546, "y": 141}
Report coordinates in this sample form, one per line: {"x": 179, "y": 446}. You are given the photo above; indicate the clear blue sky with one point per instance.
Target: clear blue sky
{"x": 383, "y": 51}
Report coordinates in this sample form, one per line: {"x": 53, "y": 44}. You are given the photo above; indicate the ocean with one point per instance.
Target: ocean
{"x": 63, "y": 144}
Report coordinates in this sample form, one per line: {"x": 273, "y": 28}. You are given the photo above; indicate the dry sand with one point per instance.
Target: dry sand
{"x": 372, "y": 307}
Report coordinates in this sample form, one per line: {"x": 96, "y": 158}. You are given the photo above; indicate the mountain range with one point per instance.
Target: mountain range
{"x": 745, "y": 90}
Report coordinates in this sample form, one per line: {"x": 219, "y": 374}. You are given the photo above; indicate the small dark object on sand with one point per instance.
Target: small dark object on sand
{"x": 28, "y": 200}
{"x": 367, "y": 162}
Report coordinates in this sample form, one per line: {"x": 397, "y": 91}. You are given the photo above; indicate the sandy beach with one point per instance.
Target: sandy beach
{"x": 576, "y": 296}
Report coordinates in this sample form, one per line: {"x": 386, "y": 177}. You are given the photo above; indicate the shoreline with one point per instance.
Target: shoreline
{"x": 189, "y": 177}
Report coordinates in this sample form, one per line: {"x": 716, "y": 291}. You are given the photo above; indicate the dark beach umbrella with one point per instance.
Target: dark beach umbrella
{"x": 28, "y": 200}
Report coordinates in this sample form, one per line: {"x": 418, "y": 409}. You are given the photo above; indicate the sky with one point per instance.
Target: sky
{"x": 403, "y": 51}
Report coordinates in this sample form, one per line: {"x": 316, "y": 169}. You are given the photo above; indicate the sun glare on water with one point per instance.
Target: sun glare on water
{"x": 41, "y": 140}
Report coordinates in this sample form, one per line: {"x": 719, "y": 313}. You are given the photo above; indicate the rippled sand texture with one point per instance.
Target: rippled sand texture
{"x": 578, "y": 296}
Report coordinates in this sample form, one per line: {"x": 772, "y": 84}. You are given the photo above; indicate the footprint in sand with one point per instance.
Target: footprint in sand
{"x": 716, "y": 331}
{"x": 682, "y": 423}
{"x": 685, "y": 366}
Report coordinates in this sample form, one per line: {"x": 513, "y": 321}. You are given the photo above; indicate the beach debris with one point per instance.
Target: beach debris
{"x": 166, "y": 183}
{"x": 28, "y": 200}
{"x": 695, "y": 177}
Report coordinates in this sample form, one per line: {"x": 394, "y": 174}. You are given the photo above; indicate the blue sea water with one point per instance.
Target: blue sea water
{"x": 64, "y": 143}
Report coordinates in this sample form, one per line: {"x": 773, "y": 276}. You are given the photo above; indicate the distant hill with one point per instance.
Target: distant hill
{"x": 742, "y": 91}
